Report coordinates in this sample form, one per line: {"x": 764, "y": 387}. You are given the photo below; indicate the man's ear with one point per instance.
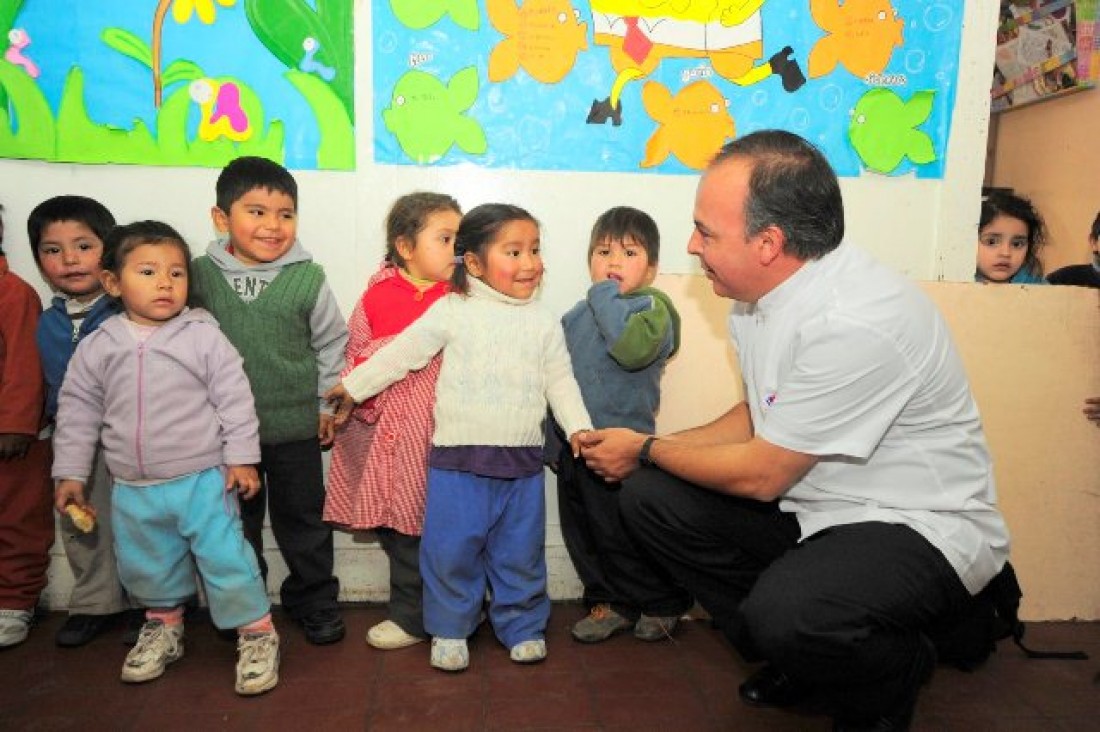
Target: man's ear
{"x": 109, "y": 281}
{"x": 473, "y": 264}
{"x": 220, "y": 219}
{"x": 772, "y": 240}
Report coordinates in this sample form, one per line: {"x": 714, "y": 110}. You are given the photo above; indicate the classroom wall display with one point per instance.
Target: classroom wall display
{"x": 178, "y": 82}
{"x": 657, "y": 86}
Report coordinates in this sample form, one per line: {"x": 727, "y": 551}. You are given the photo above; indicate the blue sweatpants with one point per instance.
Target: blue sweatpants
{"x": 159, "y": 527}
{"x": 482, "y": 531}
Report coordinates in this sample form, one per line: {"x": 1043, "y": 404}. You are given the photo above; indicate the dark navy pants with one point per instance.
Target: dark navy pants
{"x": 294, "y": 495}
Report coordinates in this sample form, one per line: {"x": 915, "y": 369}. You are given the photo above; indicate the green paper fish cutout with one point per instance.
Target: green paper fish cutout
{"x": 427, "y": 118}
{"x": 883, "y": 129}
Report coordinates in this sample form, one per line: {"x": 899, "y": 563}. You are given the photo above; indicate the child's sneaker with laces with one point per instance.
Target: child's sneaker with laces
{"x": 158, "y": 645}
{"x": 14, "y": 626}
{"x": 257, "y": 663}
{"x": 654, "y": 628}
{"x": 450, "y": 654}
{"x": 602, "y": 623}
{"x": 529, "y": 651}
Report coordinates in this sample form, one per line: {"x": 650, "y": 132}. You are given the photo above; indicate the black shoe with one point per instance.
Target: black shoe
{"x": 790, "y": 73}
{"x": 81, "y": 629}
{"x": 323, "y": 627}
{"x": 601, "y": 111}
{"x": 770, "y": 687}
{"x": 901, "y": 716}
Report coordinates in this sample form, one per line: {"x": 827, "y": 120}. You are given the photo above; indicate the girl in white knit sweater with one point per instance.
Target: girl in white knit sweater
{"x": 504, "y": 360}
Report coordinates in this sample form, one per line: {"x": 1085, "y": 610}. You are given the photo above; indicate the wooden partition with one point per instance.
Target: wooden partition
{"x": 1032, "y": 357}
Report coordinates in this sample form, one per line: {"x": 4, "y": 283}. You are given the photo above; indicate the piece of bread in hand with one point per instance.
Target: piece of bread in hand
{"x": 82, "y": 518}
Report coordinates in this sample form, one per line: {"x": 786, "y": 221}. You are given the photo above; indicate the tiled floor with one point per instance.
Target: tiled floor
{"x": 688, "y": 683}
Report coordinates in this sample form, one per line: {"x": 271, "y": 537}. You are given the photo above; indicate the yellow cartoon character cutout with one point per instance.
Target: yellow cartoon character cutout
{"x": 640, "y": 33}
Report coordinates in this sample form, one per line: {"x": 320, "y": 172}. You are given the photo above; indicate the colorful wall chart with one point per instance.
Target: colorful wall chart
{"x": 178, "y": 82}
{"x": 660, "y": 85}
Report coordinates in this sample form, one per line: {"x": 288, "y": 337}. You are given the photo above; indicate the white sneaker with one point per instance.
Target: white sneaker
{"x": 158, "y": 645}
{"x": 257, "y": 663}
{"x": 14, "y": 626}
{"x": 450, "y": 654}
{"x": 529, "y": 651}
{"x": 389, "y": 636}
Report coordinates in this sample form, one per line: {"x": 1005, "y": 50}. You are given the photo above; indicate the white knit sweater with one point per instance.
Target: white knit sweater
{"x": 504, "y": 360}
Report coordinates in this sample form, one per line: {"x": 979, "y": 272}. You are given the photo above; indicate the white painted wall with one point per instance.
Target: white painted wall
{"x": 925, "y": 228}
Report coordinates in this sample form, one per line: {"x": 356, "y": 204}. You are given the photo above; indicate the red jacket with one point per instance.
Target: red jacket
{"x": 22, "y": 395}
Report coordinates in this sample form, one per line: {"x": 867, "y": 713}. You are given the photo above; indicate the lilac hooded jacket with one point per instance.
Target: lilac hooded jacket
{"x": 176, "y": 404}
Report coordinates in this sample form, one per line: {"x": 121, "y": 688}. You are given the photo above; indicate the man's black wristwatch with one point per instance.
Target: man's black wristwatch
{"x": 643, "y": 454}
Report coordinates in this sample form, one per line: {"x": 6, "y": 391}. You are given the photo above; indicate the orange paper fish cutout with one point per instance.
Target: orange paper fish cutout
{"x": 861, "y": 35}
{"x": 693, "y": 125}
{"x": 543, "y": 37}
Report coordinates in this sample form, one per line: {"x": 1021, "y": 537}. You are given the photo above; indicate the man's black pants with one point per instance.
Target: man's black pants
{"x": 841, "y": 612}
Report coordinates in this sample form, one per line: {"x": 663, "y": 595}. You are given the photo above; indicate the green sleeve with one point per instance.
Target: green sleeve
{"x": 646, "y": 332}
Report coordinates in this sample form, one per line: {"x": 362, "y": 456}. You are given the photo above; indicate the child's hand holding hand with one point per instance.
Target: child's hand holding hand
{"x": 244, "y": 478}
{"x": 326, "y": 430}
{"x": 339, "y": 398}
{"x": 577, "y": 440}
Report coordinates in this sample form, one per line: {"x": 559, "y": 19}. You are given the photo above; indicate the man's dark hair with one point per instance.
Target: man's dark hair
{"x": 1094, "y": 232}
{"x": 249, "y": 173}
{"x": 792, "y": 187}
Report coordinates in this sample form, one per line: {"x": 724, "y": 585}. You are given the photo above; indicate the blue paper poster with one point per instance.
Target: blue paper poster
{"x": 659, "y": 85}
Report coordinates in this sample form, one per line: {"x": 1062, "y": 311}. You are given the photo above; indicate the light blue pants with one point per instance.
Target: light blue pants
{"x": 159, "y": 527}
{"x": 482, "y": 532}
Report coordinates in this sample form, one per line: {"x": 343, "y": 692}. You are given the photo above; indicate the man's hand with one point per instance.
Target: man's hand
{"x": 69, "y": 491}
{"x": 326, "y": 430}
{"x": 1092, "y": 410}
{"x": 339, "y": 398}
{"x": 244, "y": 479}
{"x": 611, "y": 453}
{"x": 14, "y": 446}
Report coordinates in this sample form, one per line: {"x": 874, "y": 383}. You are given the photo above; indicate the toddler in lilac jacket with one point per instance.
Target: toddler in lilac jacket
{"x": 166, "y": 395}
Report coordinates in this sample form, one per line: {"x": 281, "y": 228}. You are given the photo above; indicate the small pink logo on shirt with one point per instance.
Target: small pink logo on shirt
{"x": 769, "y": 399}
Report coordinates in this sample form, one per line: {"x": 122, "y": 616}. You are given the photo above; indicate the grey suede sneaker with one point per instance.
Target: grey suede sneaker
{"x": 602, "y": 623}
{"x": 653, "y": 628}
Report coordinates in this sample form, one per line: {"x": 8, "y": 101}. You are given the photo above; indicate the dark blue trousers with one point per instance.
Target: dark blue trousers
{"x": 484, "y": 533}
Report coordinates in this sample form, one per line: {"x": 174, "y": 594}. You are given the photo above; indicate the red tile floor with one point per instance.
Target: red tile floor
{"x": 688, "y": 683}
